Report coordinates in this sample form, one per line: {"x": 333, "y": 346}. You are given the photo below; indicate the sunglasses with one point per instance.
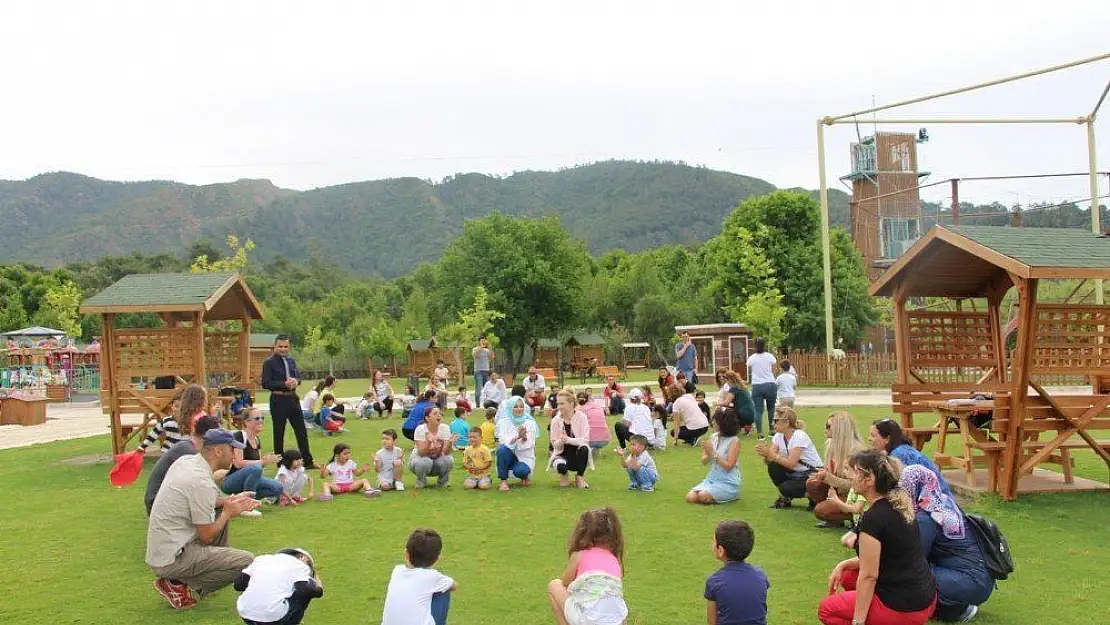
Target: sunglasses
{"x": 255, "y": 419}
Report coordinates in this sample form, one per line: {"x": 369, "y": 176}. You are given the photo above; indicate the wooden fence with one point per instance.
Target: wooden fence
{"x": 879, "y": 370}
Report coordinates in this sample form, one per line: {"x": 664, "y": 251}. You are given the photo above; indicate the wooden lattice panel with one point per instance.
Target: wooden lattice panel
{"x": 949, "y": 339}
{"x": 153, "y": 352}
{"x": 221, "y": 352}
{"x": 1071, "y": 339}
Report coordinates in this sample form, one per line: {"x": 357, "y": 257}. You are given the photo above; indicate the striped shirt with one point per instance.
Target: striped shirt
{"x": 166, "y": 429}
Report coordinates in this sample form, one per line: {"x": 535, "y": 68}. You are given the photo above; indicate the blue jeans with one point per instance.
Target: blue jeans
{"x": 764, "y": 395}
{"x": 441, "y": 603}
{"x": 480, "y": 379}
{"x": 644, "y": 478}
{"x": 616, "y": 404}
{"x": 507, "y": 463}
{"x": 250, "y": 478}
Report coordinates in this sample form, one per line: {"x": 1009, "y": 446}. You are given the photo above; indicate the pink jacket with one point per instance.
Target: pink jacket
{"x": 579, "y": 427}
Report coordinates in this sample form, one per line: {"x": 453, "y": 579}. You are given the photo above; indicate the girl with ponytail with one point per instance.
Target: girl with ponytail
{"x": 889, "y": 582}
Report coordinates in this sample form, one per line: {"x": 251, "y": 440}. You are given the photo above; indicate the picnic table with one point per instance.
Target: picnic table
{"x": 960, "y": 413}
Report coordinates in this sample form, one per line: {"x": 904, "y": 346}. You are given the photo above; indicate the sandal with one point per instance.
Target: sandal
{"x": 504, "y": 486}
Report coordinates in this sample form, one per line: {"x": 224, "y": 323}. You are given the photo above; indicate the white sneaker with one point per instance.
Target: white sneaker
{"x": 969, "y": 613}
{"x": 399, "y": 485}
{"x": 251, "y": 513}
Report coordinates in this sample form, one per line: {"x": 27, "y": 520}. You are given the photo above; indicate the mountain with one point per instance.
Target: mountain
{"x": 382, "y": 226}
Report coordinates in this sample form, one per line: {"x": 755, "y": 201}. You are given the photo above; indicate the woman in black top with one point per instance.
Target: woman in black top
{"x": 889, "y": 582}
{"x": 246, "y": 467}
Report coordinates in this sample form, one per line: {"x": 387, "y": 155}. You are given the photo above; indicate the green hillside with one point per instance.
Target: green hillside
{"x": 385, "y": 227}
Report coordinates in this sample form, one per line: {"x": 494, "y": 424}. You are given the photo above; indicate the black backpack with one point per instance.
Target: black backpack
{"x": 993, "y": 544}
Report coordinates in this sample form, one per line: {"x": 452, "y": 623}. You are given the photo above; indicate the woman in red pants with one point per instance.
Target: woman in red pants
{"x": 889, "y": 582}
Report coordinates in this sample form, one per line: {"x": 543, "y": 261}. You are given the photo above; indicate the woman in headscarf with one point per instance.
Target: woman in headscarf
{"x": 963, "y": 581}
{"x": 517, "y": 432}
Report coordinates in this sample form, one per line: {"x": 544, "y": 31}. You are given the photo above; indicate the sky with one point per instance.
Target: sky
{"x": 311, "y": 94}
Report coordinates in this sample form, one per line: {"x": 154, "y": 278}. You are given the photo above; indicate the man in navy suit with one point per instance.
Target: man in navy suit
{"x": 280, "y": 377}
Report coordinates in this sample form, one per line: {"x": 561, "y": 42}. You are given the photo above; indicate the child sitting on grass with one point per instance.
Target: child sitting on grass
{"x": 408, "y": 400}
{"x": 417, "y": 593}
{"x": 343, "y": 471}
{"x": 737, "y": 592}
{"x": 389, "y": 462}
{"x": 489, "y": 428}
{"x": 332, "y": 417}
{"x": 291, "y": 473}
{"x": 659, "y": 427}
{"x": 642, "y": 474}
{"x": 462, "y": 401}
{"x": 277, "y": 588}
{"x": 591, "y": 589}
{"x": 365, "y": 406}
{"x": 477, "y": 460}
{"x": 853, "y": 504}
{"x": 460, "y": 429}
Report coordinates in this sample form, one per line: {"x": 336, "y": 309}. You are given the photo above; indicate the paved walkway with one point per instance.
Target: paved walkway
{"x": 80, "y": 420}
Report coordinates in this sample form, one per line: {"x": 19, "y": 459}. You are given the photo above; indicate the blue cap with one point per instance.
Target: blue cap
{"x": 221, "y": 437}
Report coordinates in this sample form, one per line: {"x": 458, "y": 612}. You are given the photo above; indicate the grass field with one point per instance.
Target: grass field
{"x": 73, "y": 545}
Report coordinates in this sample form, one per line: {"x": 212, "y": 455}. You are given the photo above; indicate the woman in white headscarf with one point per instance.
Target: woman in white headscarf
{"x": 517, "y": 432}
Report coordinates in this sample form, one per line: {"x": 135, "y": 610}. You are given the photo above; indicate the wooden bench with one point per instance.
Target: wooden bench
{"x": 547, "y": 373}
{"x": 909, "y": 400}
{"x": 608, "y": 370}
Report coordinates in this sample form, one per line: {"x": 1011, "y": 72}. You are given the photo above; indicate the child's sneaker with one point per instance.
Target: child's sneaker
{"x": 325, "y": 496}
{"x": 420, "y": 484}
{"x": 251, "y": 513}
{"x": 300, "y": 499}
{"x": 648, "y": 489}
{"x": 526, "y": 482}
{"x": 633, "y": 486}
{"x": 372, "y": 493}
{"x": 398, "y": 485}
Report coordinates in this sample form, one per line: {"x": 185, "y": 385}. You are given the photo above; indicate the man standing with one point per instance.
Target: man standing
{"x": 483, "y": 364}
{"x": 280, "y": 377}
{"x": 686, "y": 356}
{"x": 535, "y": 389}
{"x": 186, "y": 541}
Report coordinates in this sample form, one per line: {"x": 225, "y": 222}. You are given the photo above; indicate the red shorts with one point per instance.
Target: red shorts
{"x": 839, "y": 609}
{"x": 344, "y": 487}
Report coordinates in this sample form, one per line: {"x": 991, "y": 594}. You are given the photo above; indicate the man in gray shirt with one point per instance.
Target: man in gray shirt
{"x": 173, "y": 454}
{"x": 483, "y": 364}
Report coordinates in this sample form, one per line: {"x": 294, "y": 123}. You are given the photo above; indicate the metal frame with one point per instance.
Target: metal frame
{"x": 851, "y": 118}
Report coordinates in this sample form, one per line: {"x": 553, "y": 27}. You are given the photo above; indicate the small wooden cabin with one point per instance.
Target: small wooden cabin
{"x": 185, "y": 347}
{"x": 635, "y": 356}
{"x": 423, "y": 355}
{"x": 585, "y": 347}
{"x": 720, "y": 346}
{"x": 549, "y": 353}
{"x": 262, "y": 346}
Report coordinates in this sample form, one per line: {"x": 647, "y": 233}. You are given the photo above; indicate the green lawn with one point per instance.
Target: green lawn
{"x": 73, "y": 545}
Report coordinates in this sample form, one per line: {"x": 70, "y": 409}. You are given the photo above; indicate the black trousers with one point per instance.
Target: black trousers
{"x": 385, "y": 405}
{"x": 490, "y": 404}
{"x": 297, "y": 607}
{"x": 286, "y": 408}
{"x": 620, "y": 428}
{"x": 575, "y": 458}
{"x": 409, "y": 434}
{"x": 690, "y": 436}
{"x": 790, "y": 484}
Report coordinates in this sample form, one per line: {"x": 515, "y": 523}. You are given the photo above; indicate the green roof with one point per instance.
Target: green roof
{"x": 161, "y": 289}
{"x": 588, "y": 338}
{"x": 260, "y": 341}
{"x": 1042, "y": 247}
{"x": 548, "y": 344}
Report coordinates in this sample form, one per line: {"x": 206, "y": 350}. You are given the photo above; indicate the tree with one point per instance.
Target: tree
{"x": 236, "y": 261}
{"x": 779, "y": 236}
{"x": 381, "y": 342}
{"x": 13, "y": 315}
{"x": 473, "y": 322}
{"x": 60, "y": 307}
{"x": 531, "y": 269}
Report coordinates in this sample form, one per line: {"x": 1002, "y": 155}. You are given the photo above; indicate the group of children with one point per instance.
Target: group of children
{"x": 277, "y": 588}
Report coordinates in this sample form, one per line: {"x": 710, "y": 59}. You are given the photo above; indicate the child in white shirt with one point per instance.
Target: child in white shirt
{"x": 390, "y": 462}
{"x": 659, "y": 427}
{"x": 417, "y": 593}
{"x": 292, "y": 475}
{"x": 277, "y": 588}
{"x": 786, "y": 384}
{"x": 642, "y": 474}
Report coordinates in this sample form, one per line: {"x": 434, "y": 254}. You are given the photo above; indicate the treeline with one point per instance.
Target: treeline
{"x": 763, "y": 268}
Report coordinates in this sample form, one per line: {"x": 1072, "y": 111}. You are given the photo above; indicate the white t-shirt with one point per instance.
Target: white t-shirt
{"x": 272, "y": 579}
{"x": 343, "y": 473}
{"x": 387, "y": 456}
{"x": 799, "y": 439}
{"x": 647, "y": 462}
{"x": 787, "y": 384}
{"x": 408, "y": 600}
{"x": 763, "y": 368}
{"x": 531, "y": 386}
{"x": 308, "y": 402}
{"x": 639, "y": 420}
{"x": 443, "y": 433}
{"x": 659, "y": 441}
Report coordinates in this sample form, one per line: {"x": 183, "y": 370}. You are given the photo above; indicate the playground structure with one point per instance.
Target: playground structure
{"x": 197, "y": 343}
{"x": 981, "y": 264}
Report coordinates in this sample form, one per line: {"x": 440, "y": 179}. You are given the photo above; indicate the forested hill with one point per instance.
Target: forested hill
{"x": 385, "y": 227}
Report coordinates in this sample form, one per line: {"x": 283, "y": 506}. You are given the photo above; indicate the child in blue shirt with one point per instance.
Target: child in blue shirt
{"x": 460, "y": 428}
{"x": 737, "y": 592}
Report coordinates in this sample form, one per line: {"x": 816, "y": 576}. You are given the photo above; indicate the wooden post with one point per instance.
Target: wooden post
{"x": 994, "y": 317}
{"x": 1027, "y": 320}
{"x": 245, "y": 380}
{"x": 199, "y": 366}
{"x": 109, "y": 361}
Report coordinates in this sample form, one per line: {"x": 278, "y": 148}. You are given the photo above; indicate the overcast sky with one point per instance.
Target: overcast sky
{"x": 312, "y": 94}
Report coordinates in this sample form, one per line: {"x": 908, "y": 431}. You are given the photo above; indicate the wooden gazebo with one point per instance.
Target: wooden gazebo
{"x": 184, "y": 348}
{"x": 970, "y": 264}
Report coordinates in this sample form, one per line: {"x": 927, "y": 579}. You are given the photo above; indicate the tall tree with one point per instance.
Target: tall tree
{"x": 531, "y": 269}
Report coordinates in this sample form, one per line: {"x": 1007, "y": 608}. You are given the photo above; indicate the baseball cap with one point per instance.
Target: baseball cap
{"x": 297, "y": 551}
{"x": 221, "y": 437}
{"x": 637, "y": 393}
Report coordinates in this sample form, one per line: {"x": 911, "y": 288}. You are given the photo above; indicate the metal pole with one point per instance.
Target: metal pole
{"x": 826, "y": 253}
{"x": 1096, "y": 227}
{"x": 955, "y": 201}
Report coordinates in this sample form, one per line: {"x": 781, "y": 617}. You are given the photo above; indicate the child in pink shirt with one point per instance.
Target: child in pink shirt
{"x": 591, "y": 589}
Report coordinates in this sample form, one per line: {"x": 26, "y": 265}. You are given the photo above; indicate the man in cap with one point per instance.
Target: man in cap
{"x": 186, "y": 540}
